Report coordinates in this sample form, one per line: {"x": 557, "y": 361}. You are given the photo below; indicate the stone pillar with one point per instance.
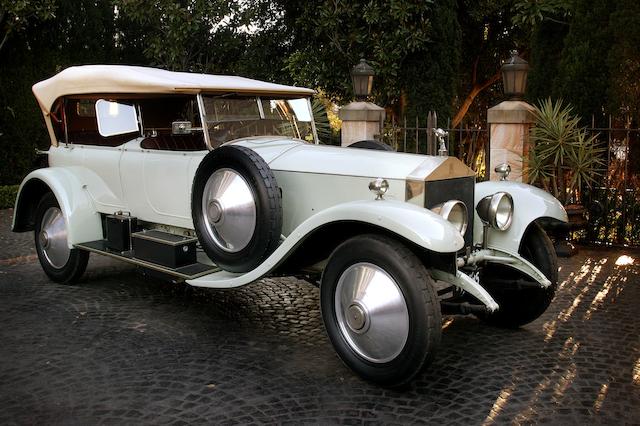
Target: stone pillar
{"x": 509, "y": 123}
{"x": 360, "y": 121}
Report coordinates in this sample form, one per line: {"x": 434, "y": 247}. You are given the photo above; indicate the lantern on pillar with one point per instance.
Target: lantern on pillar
{"x": 514, "y": 76}
{"x": 362, "y": 79}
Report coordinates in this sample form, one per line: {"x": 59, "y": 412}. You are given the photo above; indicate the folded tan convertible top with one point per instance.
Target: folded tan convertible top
{"x": 130, "y": 79}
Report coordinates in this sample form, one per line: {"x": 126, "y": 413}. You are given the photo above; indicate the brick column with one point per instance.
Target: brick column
{"x": 360, "y": 121}
{"x": 509, "y": 123}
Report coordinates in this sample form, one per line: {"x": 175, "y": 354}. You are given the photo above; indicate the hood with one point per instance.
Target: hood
{"x": 295, "y": 156}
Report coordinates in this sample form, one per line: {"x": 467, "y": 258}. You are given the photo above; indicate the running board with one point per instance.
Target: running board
{"x": 188, "y": 272}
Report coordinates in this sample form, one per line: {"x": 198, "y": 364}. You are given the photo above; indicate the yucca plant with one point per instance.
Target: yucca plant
{"x": 562, "y": 156}
{"x": 321, "y": 119}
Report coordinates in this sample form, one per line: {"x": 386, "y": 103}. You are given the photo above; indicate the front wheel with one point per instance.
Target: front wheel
{"x": 520, "y": 306}
{"x": 59, "y": 262}
{"x": 380, "y": 309}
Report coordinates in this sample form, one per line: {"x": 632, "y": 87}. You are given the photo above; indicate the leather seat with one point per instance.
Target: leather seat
{"x": 168, "y": 142}
{"x": 94, "y": 138}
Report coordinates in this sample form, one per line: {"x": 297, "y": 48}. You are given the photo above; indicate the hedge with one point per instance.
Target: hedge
{"x": 8, "y": 195}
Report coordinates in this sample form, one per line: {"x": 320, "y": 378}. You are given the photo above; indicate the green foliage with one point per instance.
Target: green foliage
{"x": 16, "y": 15}
{"x": 80, "y": 32}
{"x": 587, "y": 52}
{"x": 533, "y": 12}
{"x": 488, "y": 36}
{"x": 178, "y": 35}
{"x": 583, "y": 74}
{"x": 8, "y": 194}
{"x": 429, "y": 76}
{"x": 331, "y": 36}
{"x": 562, "y": 158}
{"x": 624, "y": 58}
{"x": 546, "y": 54}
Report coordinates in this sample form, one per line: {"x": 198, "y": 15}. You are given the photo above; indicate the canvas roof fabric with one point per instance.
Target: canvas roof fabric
{"x": 88, "y": 79}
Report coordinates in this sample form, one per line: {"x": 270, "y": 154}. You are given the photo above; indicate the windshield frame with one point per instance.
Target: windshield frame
{"x": 258, "y": 98}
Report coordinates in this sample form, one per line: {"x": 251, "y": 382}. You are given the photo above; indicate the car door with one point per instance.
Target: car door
{"x": 157, "y": 184}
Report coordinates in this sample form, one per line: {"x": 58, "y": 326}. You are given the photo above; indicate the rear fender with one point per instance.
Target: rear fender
{"x": 529, "y": 203}
{"x": 82, "y": 220}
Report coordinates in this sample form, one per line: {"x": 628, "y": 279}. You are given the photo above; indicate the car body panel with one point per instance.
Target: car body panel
{"x": 97, "y": 168}
{"x": 529, "y": 203}
{"x": 158, "y": 184}
{"x": 67, "y": 184}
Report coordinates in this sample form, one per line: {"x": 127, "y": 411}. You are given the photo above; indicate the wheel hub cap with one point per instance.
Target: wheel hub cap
{"x": 53, "y": 238}
{"x": 371, "y": 312}
{"x": 215, "y": 211}
{"x": 357, "y": 318}
{"x": 229, "y": 209}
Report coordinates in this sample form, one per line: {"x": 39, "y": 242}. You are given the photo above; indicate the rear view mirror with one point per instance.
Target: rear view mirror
{"x": 115, "y": 118}
{"x": 181, "y": 128}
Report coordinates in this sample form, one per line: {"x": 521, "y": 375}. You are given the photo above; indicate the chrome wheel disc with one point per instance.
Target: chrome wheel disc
{"x": 53, "y": 238}
{"x": 372, "y": 313}
{"x": 229, "y": 210}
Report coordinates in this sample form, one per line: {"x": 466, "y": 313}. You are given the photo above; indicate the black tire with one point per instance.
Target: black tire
{"x": 268, "y": 203}
{"x": 418, "y": 291}
{"x": 371, "y": 144}
{"x": 76, "y": 264}
{"x": 522, "y": 306}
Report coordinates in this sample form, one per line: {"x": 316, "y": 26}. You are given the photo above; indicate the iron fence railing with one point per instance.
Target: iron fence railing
{"x": 467, "y": 142}
{"x": 613, "y": 204}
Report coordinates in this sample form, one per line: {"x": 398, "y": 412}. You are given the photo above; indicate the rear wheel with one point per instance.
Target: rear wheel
{"x": 380, "y": 309}
{"x": 521, "y": 306}
{"x": 59, "y": 262}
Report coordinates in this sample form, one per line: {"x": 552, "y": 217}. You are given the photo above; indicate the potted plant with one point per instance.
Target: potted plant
{"x": 563, "y": 158}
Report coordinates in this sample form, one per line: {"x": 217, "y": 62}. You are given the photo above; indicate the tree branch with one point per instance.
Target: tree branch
{"x": 474, "y": 72}
{"x": 4, "y": 40}
{"x": 557, "y": 21}
{"x": 475, "y": 90}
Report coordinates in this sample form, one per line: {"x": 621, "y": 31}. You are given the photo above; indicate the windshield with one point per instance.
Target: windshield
{"x": 232, "y": 117}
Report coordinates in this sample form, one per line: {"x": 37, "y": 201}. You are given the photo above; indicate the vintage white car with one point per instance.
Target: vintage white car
{"x": 219, "y": 181}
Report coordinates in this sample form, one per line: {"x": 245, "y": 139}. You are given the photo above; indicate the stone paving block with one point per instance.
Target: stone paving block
{"x": 120, "y": 348}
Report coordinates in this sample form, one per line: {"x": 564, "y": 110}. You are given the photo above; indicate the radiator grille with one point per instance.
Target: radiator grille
{"x": 439, "y": 191}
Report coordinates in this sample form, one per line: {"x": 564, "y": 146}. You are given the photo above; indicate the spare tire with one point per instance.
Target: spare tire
{"x": 371, "y": 144}
{"x": 236, "y": 208}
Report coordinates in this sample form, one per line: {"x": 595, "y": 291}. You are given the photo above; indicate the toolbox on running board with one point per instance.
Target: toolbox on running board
{"x": 163, "y": 248}
{"x": 119, "y": 227}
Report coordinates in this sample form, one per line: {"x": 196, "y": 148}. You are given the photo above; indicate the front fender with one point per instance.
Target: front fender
{"x": 529, "y": 203}
{"x": 416, "y": 224}
{"x": 82, "y": 220}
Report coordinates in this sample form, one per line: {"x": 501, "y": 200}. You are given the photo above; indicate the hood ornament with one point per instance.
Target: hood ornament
{"x": 441, "y": 134}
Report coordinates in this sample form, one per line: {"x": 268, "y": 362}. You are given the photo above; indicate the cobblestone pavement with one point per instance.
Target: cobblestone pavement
{"x": 119, "y": 348}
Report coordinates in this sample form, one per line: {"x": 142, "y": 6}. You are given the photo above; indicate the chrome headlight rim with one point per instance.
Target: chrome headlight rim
{"x": 455, "y": 212}
{"x": 496, "y": 210}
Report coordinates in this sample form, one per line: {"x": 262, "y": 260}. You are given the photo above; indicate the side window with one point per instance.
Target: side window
{"x": 82, "y": 124}
{"x": 115, "y": 118}
{"x": 159, "y": 114}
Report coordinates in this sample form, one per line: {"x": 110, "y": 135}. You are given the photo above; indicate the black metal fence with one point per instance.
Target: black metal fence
{"x": 467, "y": 142}
{"x": 614, "y": 202}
